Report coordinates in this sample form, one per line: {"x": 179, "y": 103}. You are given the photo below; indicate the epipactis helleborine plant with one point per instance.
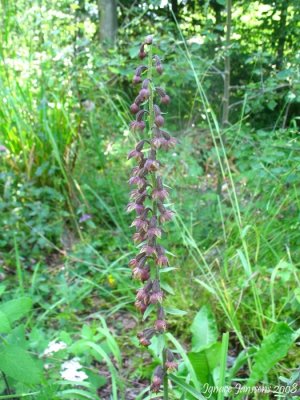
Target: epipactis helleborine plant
{"x": 147, "y": 200}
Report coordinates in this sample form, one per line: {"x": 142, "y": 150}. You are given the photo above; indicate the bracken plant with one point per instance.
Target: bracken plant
{"x": 147, "y": 200}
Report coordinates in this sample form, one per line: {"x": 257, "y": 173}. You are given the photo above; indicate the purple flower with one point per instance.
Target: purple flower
{"x": 145, "y": 336}
{"x": 143, "y": 293}
{"x": 159, "y": 194}
{"x": 138, "y": 208}
{"x": 142, "y": 53}
{"x": 149, "y": 249}
{"x": 162, "y": 259}
{"x": 160, "y": 325}
{"x": 158, "y": 65}
{"x": 142, "y": 274}
{"x": 157, "y": 379}
{"x": 136, "y": 180}
{"x": 147, "y": 200}
{"x": 170, "y": 363}
{"x": 137, "y": 126}
{"x": 157, "y": 294}
{"x": 84, "y": 217}
{"x": 134, "y": 108}
{"x": 164, "y": 98}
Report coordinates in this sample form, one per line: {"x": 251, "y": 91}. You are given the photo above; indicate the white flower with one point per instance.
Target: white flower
{"x": 54, "y": 347}
{"x": 70, "y": 371}
{"x": 88, "y": 105}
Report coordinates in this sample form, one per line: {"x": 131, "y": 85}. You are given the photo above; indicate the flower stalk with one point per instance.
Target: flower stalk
{"x": 147, "y": 200}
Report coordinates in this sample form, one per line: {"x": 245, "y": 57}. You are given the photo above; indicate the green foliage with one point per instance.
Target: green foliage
{"x": 64, "y": 124}
{"x": 204, "y": 330}
{"x": 15, "y": 360}
{"x": 273, "y": 348}
{"x": 16, "y": 363}
{"x": 31, "y": 215}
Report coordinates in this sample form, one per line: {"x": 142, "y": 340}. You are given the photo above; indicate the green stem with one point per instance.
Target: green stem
{"x": 165, "y": 383}
{"x": 6, "y": 382}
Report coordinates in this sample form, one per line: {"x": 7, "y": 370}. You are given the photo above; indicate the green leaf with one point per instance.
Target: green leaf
{"x": 205, "y": 362}
{"x": 2, "y": 289}
{"x": 80, "y": 394}
{"x": 4, "y": 323}
{"x": 204, "y": 330}
{"x": 166, "y": 287}
{"x": 188, "y": 388}
{"x": 174, "y": 311}
{"x": 16, "y": 363}
{"x": 157, "y": 345}
{"x": 273, "y": 348}
{"x": 185, "y": 359}
{"x": 149, "y": 310}
{"x": 239, "y": 362}
{"x": 17, "y": 308}
{"x": 271, "y": 104}
{"x": 134, "y": 51}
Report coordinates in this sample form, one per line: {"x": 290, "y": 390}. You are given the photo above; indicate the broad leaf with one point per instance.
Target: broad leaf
{"x": 205, "y": 362}
{"x": 204, "y": 330}
{"x": 17, "y": 308}
{"x": 274, "y": 347}
{"x": 175, "y": 311}
{"x": 4, "y": 323}
{"x": 16, "y": 363}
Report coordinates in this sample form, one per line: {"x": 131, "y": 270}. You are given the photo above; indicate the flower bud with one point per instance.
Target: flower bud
{"x": 142, "y": 53}
{"x": 137, "y": 125}
{"x": 158, "y": 65}
{"x": 145, "y": 336}
{"x": 133, "y": 206}
{"x": 151, "y": 164}
{"x": 135, "y": 154}
{"x": 142, "y": 274}
{"x": 157, "y": 379}
{"x": 159, "y": 68}
{"x": 144, "y": 94}
{"x": 157, "y": 294}
{"x": 162, "y": 259}
{"x": 170, "y": 363}
{"x": 140, "y": 224}
{"x": 149, "y": 249}
{"x": 159, "y": 120}
{"x": 153, "y": 230}
{"x": 139, "y": 237}
{"x": 165, "y": 99}
{"x": 136, "y": 180}
{"x": 143, "y": 293}
{"x": 141, "y": 306}
{"x": 165, "y": 215}
{"x": 145, "y": 84}
{"x": 160, "y": 325}
{"x": 159, "y": 193}
{"x": 136, "y": 79}
{"x": 134, "y": 108}
{"x": 140, "y": 258}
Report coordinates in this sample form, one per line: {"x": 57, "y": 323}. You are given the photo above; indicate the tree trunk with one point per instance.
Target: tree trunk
{"x": 282, "y": 33}
{"x": 226, "y": 91}
{"x": 226, "y": 94}
{"x": 108, "y": 20}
